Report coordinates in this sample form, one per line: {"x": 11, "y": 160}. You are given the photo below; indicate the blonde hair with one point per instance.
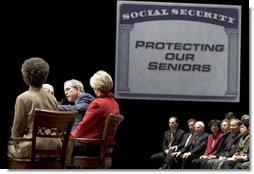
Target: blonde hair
{"x": 101, "y": 81}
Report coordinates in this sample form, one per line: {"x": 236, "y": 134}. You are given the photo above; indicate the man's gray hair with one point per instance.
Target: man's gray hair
{"x": 200, "y": 123}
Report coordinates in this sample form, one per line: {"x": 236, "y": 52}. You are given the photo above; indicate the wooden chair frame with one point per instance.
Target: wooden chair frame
{"x": 47, "y": 124}
{"x": 104, "y": 159}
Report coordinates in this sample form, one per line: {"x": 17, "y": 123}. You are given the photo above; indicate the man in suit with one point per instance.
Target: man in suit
{"x": 76, "y": 94}
{"x": 172, "y": 137}
{"x": 186, "y": 137}
{"x": 185, "y": 140}
{"x": 195, "y": 148}
{"x": 227, "y": 147}
{"x": 225, "y": 128}
{"x": 241, "y": 154}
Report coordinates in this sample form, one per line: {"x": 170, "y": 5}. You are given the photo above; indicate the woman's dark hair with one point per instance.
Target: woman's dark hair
{"x": 35, "y": 71}
{"x": 229, "y": 115}
{"x": 215, "y": 121}
{"x": 245, "y": 122}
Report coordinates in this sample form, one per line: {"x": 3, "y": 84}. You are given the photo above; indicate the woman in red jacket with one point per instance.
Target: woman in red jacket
{"x": 93, "y": 121}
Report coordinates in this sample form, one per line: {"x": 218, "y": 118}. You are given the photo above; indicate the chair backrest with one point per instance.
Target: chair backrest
{"x": 51, "y": 125}
{"x": 111, "y": 124}
{"x": 104, "y": 159}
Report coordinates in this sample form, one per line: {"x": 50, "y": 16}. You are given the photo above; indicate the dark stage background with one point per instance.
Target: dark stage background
{"x": 77, "y": 39}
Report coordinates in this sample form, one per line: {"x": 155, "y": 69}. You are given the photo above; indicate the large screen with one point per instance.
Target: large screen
{"x": 178, "y": 51}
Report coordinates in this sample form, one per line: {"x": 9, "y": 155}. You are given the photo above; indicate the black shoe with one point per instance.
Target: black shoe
{"x": 165, "y": 166}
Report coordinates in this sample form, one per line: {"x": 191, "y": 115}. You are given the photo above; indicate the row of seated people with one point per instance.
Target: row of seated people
{"x": 226, "y": 147}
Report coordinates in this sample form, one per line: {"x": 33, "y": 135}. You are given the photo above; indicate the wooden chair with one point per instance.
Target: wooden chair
{"x": 104, "y": 159}
{"x": 47, "y": 124}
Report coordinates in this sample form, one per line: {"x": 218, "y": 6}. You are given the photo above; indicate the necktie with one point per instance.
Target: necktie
{"x": 188, "y": 139}
{"x": 171, "y": 139}
{"x": 195, "y": 139}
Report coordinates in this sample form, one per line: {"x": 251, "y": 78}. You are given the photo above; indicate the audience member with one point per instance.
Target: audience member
{"x": 186, "y": 137}
{"x": 228, "y": 148}
{"x": 245, "y": 117}
{"x": 194, "y": 149}
{"x": 172, "y": 137}
{"x": 229, "y": 115}
{"x": 34, "y": 72}
{"x": 93, "y": 122}
{"x": 212, "y": 143}
{"x": 241, "y": 154}
{"x": 225, "y": 129}
{"x": 76, "y": 94}
{"x": 185, "y": 141}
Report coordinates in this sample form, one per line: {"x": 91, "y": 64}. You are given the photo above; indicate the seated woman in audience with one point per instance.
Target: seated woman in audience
{"x": 225, "y": 129}
{"x": 212, "y": 142}
{"x": 93, "y": 122}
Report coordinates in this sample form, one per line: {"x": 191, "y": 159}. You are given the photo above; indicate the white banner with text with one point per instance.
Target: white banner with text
{"x": 178, "y": 51}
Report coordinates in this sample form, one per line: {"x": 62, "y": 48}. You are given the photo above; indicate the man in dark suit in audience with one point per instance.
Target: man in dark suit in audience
{"x": 186, "y": 137}
{"x": 195, "y": 147}
{"x": 172, "y": 137}
{"x": 228, "y": 148}
{"x": 225, "y": 128}
{"x": 185, "y": 140}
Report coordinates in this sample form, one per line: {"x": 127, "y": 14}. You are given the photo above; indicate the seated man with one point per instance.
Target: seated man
{"x": 242, "y": 150}
{"x": 48, "y": 87}
{"x": 212, "y": 143}
{"x": 228, "y": 146}
{"x": 172, "y": 137}
{"x": 75, "y": 93}
{"x": 194, "y": 149}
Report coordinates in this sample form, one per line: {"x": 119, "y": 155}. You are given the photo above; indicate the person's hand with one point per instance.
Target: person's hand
{"x": 186, "y": 155}
{"x": 211, "y": 157}
{"x": 237, "y": 158}
{"x": 175, "y": 154}
{"x": 203, "y": 157}
{"x": 173, "y": 148}
{"x": 166, "y": 151}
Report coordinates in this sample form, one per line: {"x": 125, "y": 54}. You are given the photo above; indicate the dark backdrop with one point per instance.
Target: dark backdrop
{"x": 79, "y": 39}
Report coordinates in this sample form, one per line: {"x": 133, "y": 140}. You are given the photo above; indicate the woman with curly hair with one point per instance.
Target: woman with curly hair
{"x": 35, "y": 71}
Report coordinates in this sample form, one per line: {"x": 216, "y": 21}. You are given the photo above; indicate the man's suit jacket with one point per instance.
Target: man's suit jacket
{"x": 196, "y": 146}
{"x": 227, "y": 144}
{"x": 81, "y": 105}
{"x": 233, "y": 144}
{"x": 167, "y": 138}
{"x": 184, "y": 139}
{"x": 222, "y": 145}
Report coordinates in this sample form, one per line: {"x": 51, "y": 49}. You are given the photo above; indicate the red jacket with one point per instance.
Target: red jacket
{"x": 93, "y": 121}
{"x": 212, "y": 144}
